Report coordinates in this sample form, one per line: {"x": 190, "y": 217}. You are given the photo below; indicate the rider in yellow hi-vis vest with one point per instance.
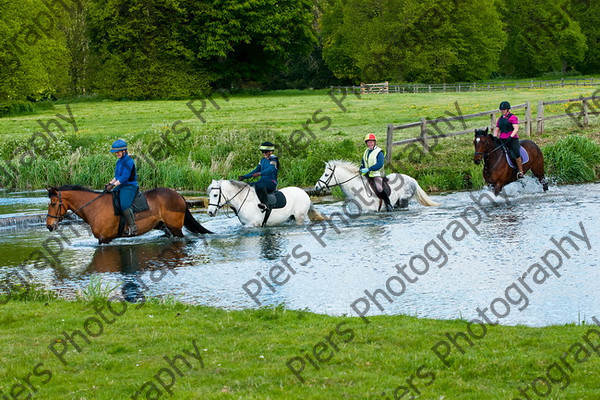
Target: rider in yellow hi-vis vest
{"x": 372, "y": 167}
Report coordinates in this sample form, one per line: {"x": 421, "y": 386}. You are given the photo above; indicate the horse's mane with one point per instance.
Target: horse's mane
{"x": 77, "y": 188}
{"x": 482, "y": 132}
{"x": 350, "y": 166}
{"x": 237, "y": 184}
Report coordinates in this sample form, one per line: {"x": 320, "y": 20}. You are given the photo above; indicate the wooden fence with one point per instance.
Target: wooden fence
{"x": 579, "y": 113}
{"x": 463, "y": 87}
{"x": 382, "y": 87}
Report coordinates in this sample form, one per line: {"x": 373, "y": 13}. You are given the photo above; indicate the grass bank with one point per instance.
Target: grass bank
{"x": 244, "y": 354}
{"x": 185, "y": 146}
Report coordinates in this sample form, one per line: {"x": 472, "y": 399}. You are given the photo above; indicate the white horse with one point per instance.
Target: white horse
{"x": 242, "y": 199}
{"x": 357, "y": 190}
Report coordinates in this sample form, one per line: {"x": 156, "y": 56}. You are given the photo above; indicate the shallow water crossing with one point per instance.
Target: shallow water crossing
{"x": 527, "y": 257}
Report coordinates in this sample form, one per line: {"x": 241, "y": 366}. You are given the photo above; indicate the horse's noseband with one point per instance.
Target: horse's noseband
{"x": 326, "y": 183}
{"x": 60, "y": 205}
{"x": 219, "y": 200}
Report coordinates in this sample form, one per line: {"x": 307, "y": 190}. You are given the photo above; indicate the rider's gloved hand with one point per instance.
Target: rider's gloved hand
{"x": 254, "y": 175}
{"x": 241, "y": 178}
{"x": 364, "y": 170}
{"x": 108, "y": 187}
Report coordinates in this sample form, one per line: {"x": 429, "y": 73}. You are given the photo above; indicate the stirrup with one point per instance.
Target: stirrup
{"x": 520, "y": 175}
{"x": 262, "y": 206}
{"x": 130, "y": 231}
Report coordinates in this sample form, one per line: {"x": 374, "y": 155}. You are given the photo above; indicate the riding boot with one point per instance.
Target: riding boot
{"x": 131, "y": 227}
{"x": 262, "y": 197}
{"x": 520, "y": 174}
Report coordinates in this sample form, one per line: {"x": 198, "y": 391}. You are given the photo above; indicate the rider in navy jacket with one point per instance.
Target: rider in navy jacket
{"x": 125, "y": 182}
{"x": 267, "y": 170}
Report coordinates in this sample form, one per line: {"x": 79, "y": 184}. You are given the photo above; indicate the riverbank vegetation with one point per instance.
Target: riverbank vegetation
{"x": 185, "y": 145}
{"x": 125, "y": 349}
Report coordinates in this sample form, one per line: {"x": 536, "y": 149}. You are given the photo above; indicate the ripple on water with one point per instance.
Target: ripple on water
{"x": 359, "y": 256}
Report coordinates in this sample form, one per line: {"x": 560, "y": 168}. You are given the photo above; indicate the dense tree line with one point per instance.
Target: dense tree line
{"x": 140, "y": 49}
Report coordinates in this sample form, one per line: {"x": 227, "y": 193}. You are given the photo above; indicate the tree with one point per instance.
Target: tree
{"x": 33, "y": 56}
{"x": 541, "y": 37}
{"x": 427, "y": 40}
{"x": 587, "y": 14}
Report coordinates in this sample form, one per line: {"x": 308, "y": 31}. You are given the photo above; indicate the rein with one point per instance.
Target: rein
{"x": 326, "y": 183}
{"x": 60, "y": 205}
{"x": 485, "y": 155}
{"x": 228, "y": 201}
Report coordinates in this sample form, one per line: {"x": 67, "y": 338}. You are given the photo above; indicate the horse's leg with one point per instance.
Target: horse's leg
{"x": 536, "y": 162}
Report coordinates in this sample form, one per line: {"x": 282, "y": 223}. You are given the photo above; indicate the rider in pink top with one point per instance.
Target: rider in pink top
{"x": 507, "y": 129}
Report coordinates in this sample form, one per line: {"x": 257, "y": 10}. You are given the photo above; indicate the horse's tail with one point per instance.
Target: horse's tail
{"x": 423, "y": 198}
{"x": 191, "y": 223}
{"x": 314, "y": 215}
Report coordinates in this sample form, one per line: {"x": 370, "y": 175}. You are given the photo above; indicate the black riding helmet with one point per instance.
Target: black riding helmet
{"x": 505, "y": 105}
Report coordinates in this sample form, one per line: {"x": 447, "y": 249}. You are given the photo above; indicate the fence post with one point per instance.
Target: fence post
{"x": 562, "y": 82}
{"x": 540, "y": 118}
{"x": 528, "y": 118}
{"x": 493, "y": 121}
{"x": 585, "y": 112}
{"x": 388, "y": 143}
{"x": 424, "y": 135}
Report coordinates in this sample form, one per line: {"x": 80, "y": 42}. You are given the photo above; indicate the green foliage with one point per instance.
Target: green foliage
{"x": 573, "y": 159}
{"x": 97, "y": 291}
{"x": 587, "y": 14}
{"x": 15, "y": 107}
{"x": 32, "y": 52}
{"x": 541, "y": 37}
{"x": 431, "y": 41}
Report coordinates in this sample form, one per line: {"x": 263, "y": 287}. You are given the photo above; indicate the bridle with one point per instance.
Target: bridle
{"x": 228, "y": 201}
{"x": 61, "y": 205}
{"x": 326, "y": 183}
{"x": 478, "y": 153}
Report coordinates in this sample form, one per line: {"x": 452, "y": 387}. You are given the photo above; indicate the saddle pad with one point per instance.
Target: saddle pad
{"x": 524, "y": 157}
{"x": 139, "y": 203}
{"x": 276, "y": 200}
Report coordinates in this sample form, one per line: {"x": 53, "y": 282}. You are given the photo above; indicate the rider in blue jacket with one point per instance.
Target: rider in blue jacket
{"x": 125, "y": 182}
{"x": 267, "y": 170}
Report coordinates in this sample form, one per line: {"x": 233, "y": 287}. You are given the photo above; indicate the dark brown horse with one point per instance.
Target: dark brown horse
{"x": 168, "y": 210}
{"x": 496, "y": 170}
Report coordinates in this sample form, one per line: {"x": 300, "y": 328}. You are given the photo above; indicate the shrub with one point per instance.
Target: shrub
{"x": 573, "y": 159}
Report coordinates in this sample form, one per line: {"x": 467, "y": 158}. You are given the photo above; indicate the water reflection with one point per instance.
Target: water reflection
{"x": 272, "y": 244}
{"x": 132, "y": 260}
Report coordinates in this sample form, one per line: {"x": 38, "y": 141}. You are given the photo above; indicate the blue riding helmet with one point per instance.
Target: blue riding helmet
{"x": 118, "y": 145}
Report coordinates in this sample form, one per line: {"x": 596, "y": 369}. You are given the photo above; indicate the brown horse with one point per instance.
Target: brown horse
{"x": 168, "y": 210}
{"x": 496, "y": 170}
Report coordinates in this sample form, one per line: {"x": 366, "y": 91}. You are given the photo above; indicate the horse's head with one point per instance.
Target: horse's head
{"x": 483, "y": 143}
{"x": 216, "y": 200}
{"x": 57, "y": 208}
{"x": 336, "y": 173}
{"x": 326, "y": 180}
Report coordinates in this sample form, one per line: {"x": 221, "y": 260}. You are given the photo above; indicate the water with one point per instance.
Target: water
{"x": 479, "y": 266}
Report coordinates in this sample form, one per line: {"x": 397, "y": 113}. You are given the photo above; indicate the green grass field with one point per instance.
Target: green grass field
{"x": 243, "y": 355}
{"x": 225, "y": 143}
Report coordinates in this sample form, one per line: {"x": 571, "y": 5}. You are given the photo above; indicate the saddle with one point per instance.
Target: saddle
{"x": 139, "y": 204}
{"x": 524, "y": 157}
{"x": 275, "y": 200}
